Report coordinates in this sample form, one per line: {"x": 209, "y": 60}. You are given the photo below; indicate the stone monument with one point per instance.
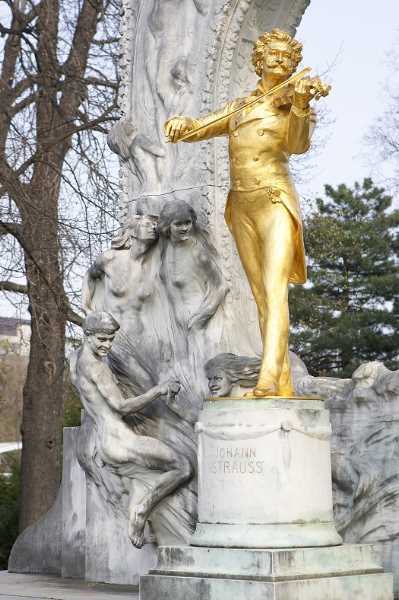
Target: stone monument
{"x": 174, "y": 284}
{"x": 264, "y": 471}
{"x": 265, "y": 527}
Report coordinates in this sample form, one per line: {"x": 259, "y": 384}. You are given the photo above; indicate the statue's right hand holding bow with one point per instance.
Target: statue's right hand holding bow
{"x": 176, "y": 127}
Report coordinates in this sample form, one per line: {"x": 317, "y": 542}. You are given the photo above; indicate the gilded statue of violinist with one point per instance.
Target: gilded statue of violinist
{"x": 262, "y": 210}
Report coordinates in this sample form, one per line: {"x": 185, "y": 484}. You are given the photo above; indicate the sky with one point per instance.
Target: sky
{"x": 351, "y": 40}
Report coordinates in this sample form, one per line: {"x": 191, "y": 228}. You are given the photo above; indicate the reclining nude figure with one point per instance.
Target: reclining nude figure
{"x": 117, "y": 444}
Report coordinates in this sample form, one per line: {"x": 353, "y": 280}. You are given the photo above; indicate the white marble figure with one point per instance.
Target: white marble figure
{"x": 189, "y": 269}
{"x": 231, "y": 375}
{"x": 117, "y": 444}
{"x": 121, "y": 279}
{"x": 135, "y": 149}
{"x": 164, "y": 297}
{"x": 228, "y": 373}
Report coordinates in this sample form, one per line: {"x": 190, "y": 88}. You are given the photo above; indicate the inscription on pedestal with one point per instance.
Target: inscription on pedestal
{"x": 266, "y": 464}
{"x": 242, "y": 460}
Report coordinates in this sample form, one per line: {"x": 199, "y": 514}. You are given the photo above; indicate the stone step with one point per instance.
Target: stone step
{"x": 348, "y": 572}
{"x": 268, "y": 564}
{"x": 15, "y": 586}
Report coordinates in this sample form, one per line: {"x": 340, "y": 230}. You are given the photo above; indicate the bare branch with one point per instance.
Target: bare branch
{"x": 16, "y": 108}
{"x": 10, "y": 229}
{"x": 16, "y": 288}
{"x": 101, "y": 82}
{"x": 75, "y": 65}
{"x": 74, "y": 318}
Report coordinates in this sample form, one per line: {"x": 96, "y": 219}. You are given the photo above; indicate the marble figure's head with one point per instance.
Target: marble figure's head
{"x": 277, "y": 53}
{"x": 100, "y": 329}
{"x": 226, "y": 369}
{"x": 177, "y": 221}
{"x": 143, "y": 227}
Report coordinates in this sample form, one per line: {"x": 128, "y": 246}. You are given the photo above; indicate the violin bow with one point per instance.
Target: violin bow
{"x": 274, "y": 89}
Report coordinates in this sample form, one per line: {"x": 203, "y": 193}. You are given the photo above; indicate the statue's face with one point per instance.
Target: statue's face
{"x": 219, "y": 384}
{"x": 180, "y": 230}
{"x": 278, "y": 61}
{"x": 145, "y": 228}
{"x": 100, "y": 343}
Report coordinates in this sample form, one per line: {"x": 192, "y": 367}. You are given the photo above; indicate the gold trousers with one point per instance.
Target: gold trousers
{"x": 265, "y": 234}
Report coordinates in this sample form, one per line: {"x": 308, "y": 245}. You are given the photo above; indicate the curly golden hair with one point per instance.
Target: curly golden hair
{"x": 278, "y": 35}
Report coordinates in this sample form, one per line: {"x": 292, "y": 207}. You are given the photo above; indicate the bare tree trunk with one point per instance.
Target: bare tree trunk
{"x": 42, "y": 408}
{"x": 47, "y": 73}
{"x": 43, "y": 390}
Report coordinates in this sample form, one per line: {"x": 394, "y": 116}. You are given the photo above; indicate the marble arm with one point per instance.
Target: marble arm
{"x": 134, "y": 404}
{"x": 110, "y": 391}
{"x": 215, "y": 293}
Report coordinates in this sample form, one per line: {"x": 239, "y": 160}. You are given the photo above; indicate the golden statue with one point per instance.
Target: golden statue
{"x": 262, "y": 210}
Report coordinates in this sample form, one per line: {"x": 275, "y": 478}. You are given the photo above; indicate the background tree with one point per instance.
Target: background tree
{"x": 382, "y": 140}
{"x": 349, "y": 311}
{"x": 58, "y": 91}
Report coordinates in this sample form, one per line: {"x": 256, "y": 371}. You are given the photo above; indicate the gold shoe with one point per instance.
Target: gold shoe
{"x": 265, "y": 390}
{"x": 286, "y": 391}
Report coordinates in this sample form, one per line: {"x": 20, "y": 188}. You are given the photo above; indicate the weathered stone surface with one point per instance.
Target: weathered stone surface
{"x": 110, "y": 555}
{"x": 344, "y": 573}
{"x": 366, "y": 587}
{"x": 264, "y": 474}
{"x": 38, "y": 548}
{"x": 56, "y": 543}
{"x": 365, "y": 452}
{"x": 268, "y": 564}
{"x": 365, "y": 459}
{"x": 365, "y": 434}
{"x": 73, "y": 490}
{"x": 42, "y": 587}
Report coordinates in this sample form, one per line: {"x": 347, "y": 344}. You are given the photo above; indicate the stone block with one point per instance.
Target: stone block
{"x": 110, "y": 555}
{"x": 73, "y": 490}
{"x": 55, "y": 544}
{"x": 264, "y": 475}
{"x": 336, "y": 573}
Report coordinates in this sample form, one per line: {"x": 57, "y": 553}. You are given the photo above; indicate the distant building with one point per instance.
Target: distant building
{"x": 14, "y": 335}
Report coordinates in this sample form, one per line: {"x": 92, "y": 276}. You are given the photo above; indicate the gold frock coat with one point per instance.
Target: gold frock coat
{"x": 261, "y": 139}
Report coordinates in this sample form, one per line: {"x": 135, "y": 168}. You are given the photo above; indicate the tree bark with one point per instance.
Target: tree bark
{"x": 42, "y": 402}
{"x": 53, "y": 86}
{"x": 43, "y": 390}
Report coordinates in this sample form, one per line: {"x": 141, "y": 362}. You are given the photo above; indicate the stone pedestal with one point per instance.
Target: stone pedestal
{"x": 339, "y": 573}
{"x": 265, "y": 523}
{"x": 264, "y": 475}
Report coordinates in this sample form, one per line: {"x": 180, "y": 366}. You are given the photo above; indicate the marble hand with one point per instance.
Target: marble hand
{"x": 176, "y": 127}
{"x": 170, "y": 388}
{"x": 174, "y": 388}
